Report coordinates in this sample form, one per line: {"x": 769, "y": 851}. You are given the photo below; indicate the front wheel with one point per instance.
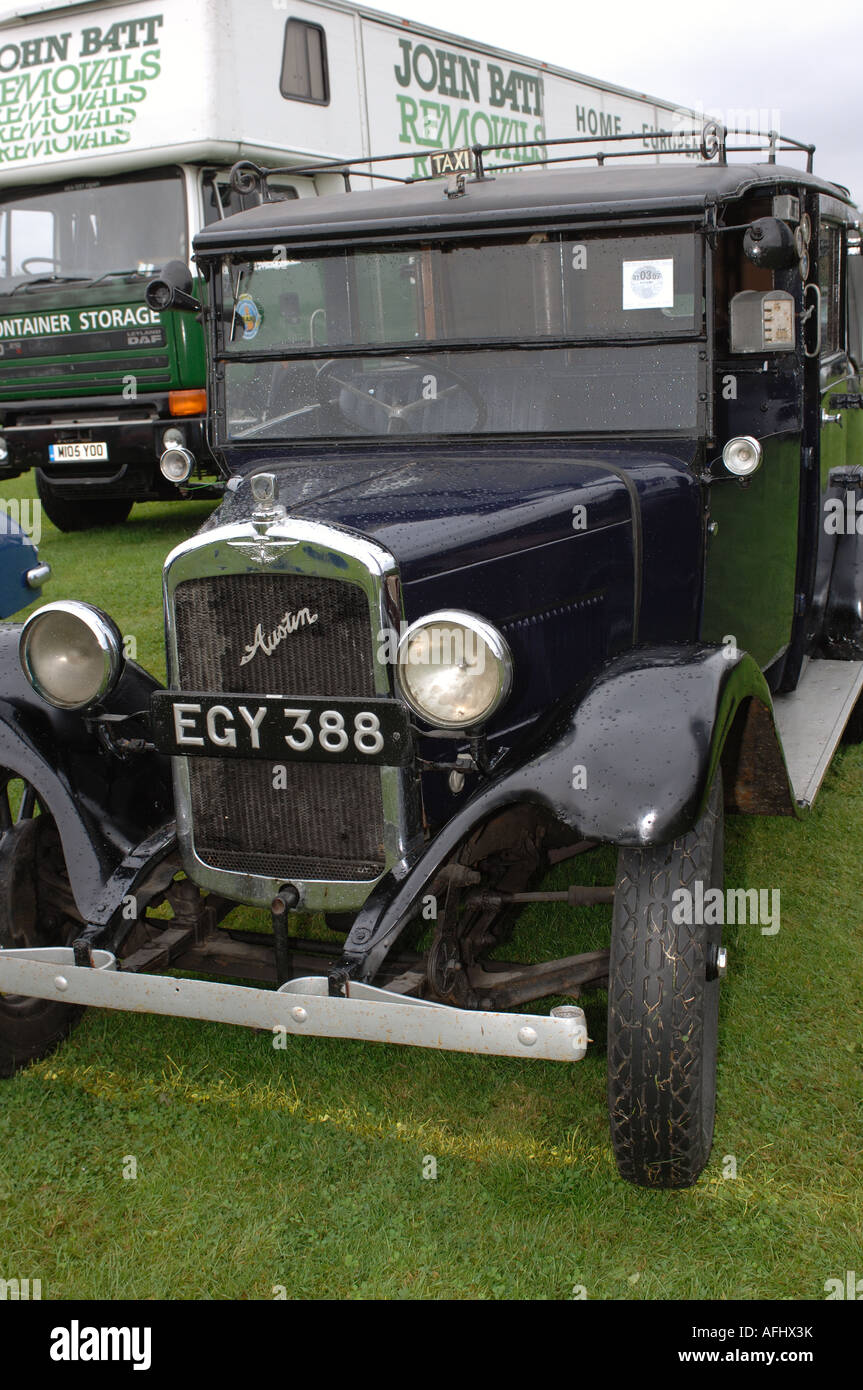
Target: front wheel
{"x": 663, "y": 1005}
{"x": 70, "y": 515}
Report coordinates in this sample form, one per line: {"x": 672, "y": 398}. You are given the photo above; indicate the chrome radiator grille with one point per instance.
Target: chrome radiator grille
{"x": 326, "y": 822}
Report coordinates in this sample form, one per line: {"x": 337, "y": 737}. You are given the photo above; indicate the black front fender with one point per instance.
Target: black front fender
{"x": 629, "y": 760}
{"x": 114, "y": 815}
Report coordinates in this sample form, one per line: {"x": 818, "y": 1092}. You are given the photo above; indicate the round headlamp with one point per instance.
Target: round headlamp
{"x": 71, "y": 653}
{"x": 454, "y": 669}
{"x": 176, "y": 464}
{"x": 742, "y": 455}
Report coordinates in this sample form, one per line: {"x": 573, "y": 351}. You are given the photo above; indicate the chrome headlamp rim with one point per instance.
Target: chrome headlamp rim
{"x": 728, "y": 454}
{"x": 188, "y": 460}
{"x": 489, "y": 634}
{"x": 108, "y": 638}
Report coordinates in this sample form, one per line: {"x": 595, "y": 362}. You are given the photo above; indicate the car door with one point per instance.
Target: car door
{"x": 752, "y": 524}
{"x": 841, "y": 429}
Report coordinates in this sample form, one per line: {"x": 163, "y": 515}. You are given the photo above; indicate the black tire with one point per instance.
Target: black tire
{"x": 68, "y": 515}
{"x": 34, "y": 911}
{"x": 663, "y": 1011}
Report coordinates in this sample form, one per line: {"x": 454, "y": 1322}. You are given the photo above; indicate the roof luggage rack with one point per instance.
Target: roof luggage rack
{"x": 712, "y": 138}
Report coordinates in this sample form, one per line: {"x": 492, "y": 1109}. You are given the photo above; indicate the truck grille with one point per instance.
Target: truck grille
{"x": 327, "y": 821}
{"x": 66, "y": 363}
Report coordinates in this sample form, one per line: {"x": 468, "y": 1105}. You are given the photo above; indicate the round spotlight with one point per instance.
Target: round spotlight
{"x": 4, "y": 451}
{"x": 71, "y": 653}
{"x": 454, "y": 669}
{"x": 176, "y": 464}
{"x": 173, "y": 438}
{"x": 742, "y": 455}
{"x": 159, "y": 294}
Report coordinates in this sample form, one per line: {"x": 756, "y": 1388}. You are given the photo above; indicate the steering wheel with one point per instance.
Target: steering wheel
{"x": 45, "y": 260}
{"x": 396, "y": 415}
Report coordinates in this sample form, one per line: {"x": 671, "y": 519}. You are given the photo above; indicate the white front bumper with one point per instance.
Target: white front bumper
{"x": 299, "y": 1007}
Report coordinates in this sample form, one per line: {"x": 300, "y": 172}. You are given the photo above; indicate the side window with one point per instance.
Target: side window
{"x": 304, "y": 63}
{"x": 26, "y": 234}
{"x": 830, "y": 284}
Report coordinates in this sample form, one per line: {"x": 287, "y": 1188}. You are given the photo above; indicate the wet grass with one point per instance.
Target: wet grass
{"x": 259, "y": 1170}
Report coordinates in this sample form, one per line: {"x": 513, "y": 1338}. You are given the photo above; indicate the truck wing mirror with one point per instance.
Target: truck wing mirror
{"x": 172, "y": 290}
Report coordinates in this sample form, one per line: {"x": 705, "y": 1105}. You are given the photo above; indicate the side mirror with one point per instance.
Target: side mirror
{"x": 172, "y": 290}
{"x": 768, "y": 242}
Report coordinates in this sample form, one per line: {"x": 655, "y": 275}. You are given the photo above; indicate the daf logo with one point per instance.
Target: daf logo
{"x": 267, "y": 642}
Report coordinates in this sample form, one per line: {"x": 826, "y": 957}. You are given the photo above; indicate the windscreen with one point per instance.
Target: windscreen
{"x": 84, "y": 229}
{"x": 542, "y": 333}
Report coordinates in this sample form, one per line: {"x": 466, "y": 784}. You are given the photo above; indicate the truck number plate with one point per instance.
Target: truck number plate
{"x": 80, "y": 451}
{"x": 282, "y": 728}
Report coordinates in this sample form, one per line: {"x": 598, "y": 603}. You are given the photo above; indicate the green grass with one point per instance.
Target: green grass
{"x": 304, "y": 1168}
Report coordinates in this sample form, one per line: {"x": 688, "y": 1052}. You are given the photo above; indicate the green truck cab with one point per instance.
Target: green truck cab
{"x": 93, "y": 384}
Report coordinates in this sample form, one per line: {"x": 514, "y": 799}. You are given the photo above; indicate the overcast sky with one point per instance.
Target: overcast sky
{"x": 799, "y": 60}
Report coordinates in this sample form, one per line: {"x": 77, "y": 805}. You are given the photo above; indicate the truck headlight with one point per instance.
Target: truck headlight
{"x": 71, "y": 653}
{"x": 176, "y": 464}
{"x": 454, "y": 669}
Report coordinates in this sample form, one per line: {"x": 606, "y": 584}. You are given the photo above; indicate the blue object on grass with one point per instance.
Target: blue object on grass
{"x": 21, "y": 573}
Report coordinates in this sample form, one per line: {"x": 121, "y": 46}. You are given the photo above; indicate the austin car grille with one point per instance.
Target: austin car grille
{"x": 327, "y": 821}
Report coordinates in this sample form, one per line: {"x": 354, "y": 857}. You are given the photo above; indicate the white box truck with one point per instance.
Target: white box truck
{"x": 119, "y": 124}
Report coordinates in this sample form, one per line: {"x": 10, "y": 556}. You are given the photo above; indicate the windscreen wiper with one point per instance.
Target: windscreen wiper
{"x": 135, "y": 271}
{"x": 48, "y": 280}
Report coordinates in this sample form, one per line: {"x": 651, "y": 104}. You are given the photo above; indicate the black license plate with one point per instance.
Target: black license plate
{"x": 281, "y": 728}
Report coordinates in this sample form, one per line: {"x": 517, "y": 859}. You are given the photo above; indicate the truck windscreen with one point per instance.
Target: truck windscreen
{"x": 71, "y": 231}
{"x": 536, "y": 334}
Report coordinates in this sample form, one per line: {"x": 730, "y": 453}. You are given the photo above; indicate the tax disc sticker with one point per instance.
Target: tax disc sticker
{"x": 247, "y": 311}
{"x": 648, "y": 284}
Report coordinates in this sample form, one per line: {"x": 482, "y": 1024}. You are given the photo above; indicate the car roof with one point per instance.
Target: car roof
{"x": 520, "y": 197}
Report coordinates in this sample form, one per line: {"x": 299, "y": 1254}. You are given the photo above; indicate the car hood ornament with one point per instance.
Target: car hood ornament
{"x": 264, "y": 549}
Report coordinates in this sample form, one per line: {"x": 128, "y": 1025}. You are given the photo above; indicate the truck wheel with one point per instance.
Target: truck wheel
{"x": 84, "y": 515}
{"x": 35, "y": 910}
{"x": 663, "y": 1008}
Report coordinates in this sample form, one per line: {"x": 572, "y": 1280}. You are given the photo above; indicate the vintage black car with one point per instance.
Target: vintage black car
{"x": 539, "y": 533}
